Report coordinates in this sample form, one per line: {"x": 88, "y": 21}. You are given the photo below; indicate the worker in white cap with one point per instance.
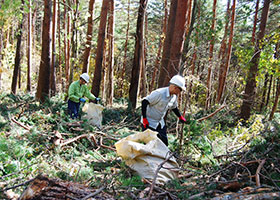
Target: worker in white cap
{"x": 156, "y": 105}
{"x": 76, "y": 93}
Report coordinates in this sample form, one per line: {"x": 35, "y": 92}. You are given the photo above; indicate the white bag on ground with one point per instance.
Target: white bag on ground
{"x": 144, "y": 152}
{"x": 93, "y": 113}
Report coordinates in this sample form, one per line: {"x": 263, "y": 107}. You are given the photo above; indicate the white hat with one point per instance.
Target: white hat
{"x": 85, "y": 76}
{"x": 178, "y": 81}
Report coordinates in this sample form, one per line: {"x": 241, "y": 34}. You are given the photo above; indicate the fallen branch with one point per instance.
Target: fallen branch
{"x": 95, "y": 193}
{"x": 258, "y": 173}
{"x": 156, "y": 174}
{"x": 73, "y": 139}
{"x": 212, "y": 114}
{"x": 22, "y": 125}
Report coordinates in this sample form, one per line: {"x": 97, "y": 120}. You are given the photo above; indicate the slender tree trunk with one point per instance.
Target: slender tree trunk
{"x": 161, "y": 41}
{"x": 99, "y": 53}
{"x": 44, "y": 73}
{"x": 229, "y": 48}
{"x": 61, "y": 83}
{"x": 209, "y": 76}
{"x": 249, "y": 96}
{"x": 53, "y": 60}
{"x": 89, "y": 36}
{"x": 67, "y": 41}
{"x": 167, "y": 43}
{"x": 276, "y": 101}
{"x": 143, "y": 80}
{"x": 125, "y": 51}
{"x": 17, "y": 58}
{"x": 29, "y": 48}
{"x": 138, "y": 55}
{"x": 269, "y": 90}
{"x": 264, "y": 91}
{"x": 255, "y": 21}
{"x": 111, "y": 27}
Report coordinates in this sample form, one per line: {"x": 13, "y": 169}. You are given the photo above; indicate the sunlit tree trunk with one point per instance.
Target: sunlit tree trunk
{"x": 67, "y": 27}
{"x": 125, "y": 51}
{"x": 44, "y": 73}
{"x": 53, "y": 60}
{"x": 210, "y": 61}
{"x": 255, "y": 21}
{"x": 99, "y": 52}
{"x": 167, "y": 43}
{"x": 17, "y": 57}
{"x": 222, "y": 84}
{"x": 264, "y": 91}
{"x": 138, "y": 55}
{"x": 29, "y": 47}
{"x": 61, "y": 83}
{"x": 161, "y": 41}
{"x": 249, "y": 96}
{"x": 177, "y": 41}
{"x": 89, "y": 37}
{"x": 143, "y": 80}
{"x": 111, "y": 27}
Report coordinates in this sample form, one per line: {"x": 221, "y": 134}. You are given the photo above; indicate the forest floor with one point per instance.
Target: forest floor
{"x": 218, "y": 158}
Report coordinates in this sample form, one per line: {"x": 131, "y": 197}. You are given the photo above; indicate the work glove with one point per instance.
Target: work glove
{"x": 82, "y": 100}
{"x": 182, "y": 119}
{"x": 97, "y": 99}
{"x": 145, "y": 123}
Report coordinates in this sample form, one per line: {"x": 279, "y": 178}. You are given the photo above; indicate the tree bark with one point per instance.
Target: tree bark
{"x": 209, "y": 76}
{"x": 138, "y": 53}
{"x": 89, "y": 37}
{"x": 264, "y": 91}
{"x": 99, "y": 53}
{"x": 17, "y": 57}
{"x": 276, "y": 101}
{"x": 249, "y": 96}
{"x": 222, "y": 84}
{"x": 177, "y": 41}
{"x": 111, "y": 27}
{"x": 44, "y": 73}
{"x": 167, "y": 43}
{"x": 255, "y": 21}
{"x": 29, "y": 48}
{"x": 53, "y": 60}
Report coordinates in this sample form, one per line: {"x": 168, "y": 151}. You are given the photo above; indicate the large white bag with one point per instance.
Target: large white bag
{"x": 144, "y": 152}
{"x": 93, "y": 113}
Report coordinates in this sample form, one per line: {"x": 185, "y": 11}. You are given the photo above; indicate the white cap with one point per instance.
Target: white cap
{"x": 85, "y": 76}
{"x": 178, "y": 81}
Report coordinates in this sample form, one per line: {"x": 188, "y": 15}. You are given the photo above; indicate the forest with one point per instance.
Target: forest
{"x": 228, "y": 51}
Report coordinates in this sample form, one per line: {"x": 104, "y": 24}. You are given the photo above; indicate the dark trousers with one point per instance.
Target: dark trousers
{"x": 161, "y": 133}
{"x": 73, "y": 109}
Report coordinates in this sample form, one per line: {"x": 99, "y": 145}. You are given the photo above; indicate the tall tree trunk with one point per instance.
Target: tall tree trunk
{"x": 276, "y": 101}
{"x": 111, "y": 27}
{"x": 143, "y": 80}
{"x": 177, "y": 40}
{"x": 264, "y": 91}
{"x": 29, "y": 48}
{"x": 138, "y": 53}
{"x": 255, "y": 21}
{"x": 249, "y": 96}
{"x": 17, "y": 57}
{"x": 167, "y": 43}
{"x": 44, "y": 73}
{"x": 61, "y": 83}
{"x": 161, "y": 41}
{"x": 209, "y": 76}
{"x": 99, "y": 53}
{"x": 269, "y": 90}
{"x": 89, "y": 36}
{"x": 125, "y": 50}
{"x": 53, "y": 60}
{"x": 67, "y": 27}
{"x": 229, "y": 48}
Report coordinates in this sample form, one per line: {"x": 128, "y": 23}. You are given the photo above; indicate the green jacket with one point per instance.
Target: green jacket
{"x": 77, "y": 91}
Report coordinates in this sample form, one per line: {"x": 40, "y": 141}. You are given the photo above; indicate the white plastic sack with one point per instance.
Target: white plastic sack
{"x": 144, "y": 152}
{"x": 93, "y": 113}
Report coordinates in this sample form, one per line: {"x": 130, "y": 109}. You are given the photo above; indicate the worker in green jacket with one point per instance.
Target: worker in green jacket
{"x": 76, "y": 93}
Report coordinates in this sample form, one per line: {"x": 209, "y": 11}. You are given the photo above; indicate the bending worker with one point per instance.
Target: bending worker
{"x": 77, "y": 91}
{"x": 155, "y": 106}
